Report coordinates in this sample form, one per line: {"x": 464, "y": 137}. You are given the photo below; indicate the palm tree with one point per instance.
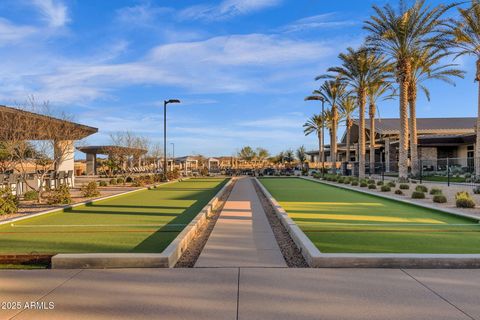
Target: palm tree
{"x": 314, "y": 125}
{"x": 358, "y": 69}
{"x": 301, "y": 156}
{"x": 466, "y": 37}
{"x": 288, "y": 156}
{"x": 333, "y": 91}
{"x": 262, "y": 155}
{"x": 330, "y": 123}
{"x": 348, "y": 105}
{"x": 398, "y": 35}
{"x": 426, "y": 65}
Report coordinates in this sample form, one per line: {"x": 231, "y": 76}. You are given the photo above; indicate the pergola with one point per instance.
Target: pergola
{"x": 18, "y": 125}
{"x": 92, "y": 151}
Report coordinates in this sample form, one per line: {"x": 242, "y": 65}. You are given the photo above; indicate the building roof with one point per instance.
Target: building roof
{"x": 26, "y": 125}
{"x": 110, "y": 149}
{"x": 446, "y": 140}
{"x": 392, "y": 125}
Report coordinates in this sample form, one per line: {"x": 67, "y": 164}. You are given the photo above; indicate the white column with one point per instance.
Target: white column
{"x": 64, "y": 153}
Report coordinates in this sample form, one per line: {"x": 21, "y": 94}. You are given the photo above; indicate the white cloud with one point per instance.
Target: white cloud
{"x": 226, "y": 9}
{"x": 10, "y": 32}
{"x": 294, "y": 121}
{"x": 54, "y": 12}
{"x": 320, "y": 21}
{"x": 142, "y": 14}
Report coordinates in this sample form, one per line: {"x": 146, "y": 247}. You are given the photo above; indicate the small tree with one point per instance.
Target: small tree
{"x": 302, "y": 156}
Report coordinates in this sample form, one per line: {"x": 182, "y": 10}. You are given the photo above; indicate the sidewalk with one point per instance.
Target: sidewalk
{"x": 242, "y": 236}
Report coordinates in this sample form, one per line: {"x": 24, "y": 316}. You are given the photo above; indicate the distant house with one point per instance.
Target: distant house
{"x": 438, "y": 138}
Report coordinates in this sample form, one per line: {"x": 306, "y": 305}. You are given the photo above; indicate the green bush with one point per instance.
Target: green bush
{"x": 421, "y": 188}
{"x": 113, "y": 181}
{"x": 8, "y": 202}
{"x": 129, "y": 180}
{"x": 372, "y": 186}
{"x": 90, "y": 190}
{"x": 391, "y": 184}
{"x": 399, "y": 192}
{"x": 354, "y": 183}
{"x": 370, "y": 181}
{"x": 464, "y": 200}
{"x": 102, "y": 183}
{"x": 363, "y": 184}
{"x": 385, "y": 189}
{"x": 439, "y": 198}
{"x": 60, "y": 195}
{"x": 30, "y": 195}
{"x": 476, "y": 190}
{"x": 138, "y": 182}
{"x": 380, "y": 183}
{"x": 435, "y": 191}
{"x": 340, "y": 180}
{"x": 418, "y": 195}
{"x": 404, "y": 186}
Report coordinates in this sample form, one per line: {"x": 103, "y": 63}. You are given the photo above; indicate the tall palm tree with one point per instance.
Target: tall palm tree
{"x": 466, "y": 37}
{"x": 330, "y": 124}
{"x": 378, "y": 87}
{"x": 358, "y": 69}
{"x": 314, "y": 125}
{"x": 398, "y": 35}
{"x": 348, "y": 105}
{"x": 427, "y": 65}
{"x": 333, "y": 91}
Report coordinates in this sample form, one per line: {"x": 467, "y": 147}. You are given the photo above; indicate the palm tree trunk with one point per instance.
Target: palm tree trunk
{"x": 403, "y": 143}
{"x": 361, "y": 134}
{"x": 333, "y": 140}
{"x": 413, "y": 131}
{"x": 320, "y": 148}
{"x": 349, "y": 125}
{"x": 477, "y": 142}
{"x": 371, "y": 114}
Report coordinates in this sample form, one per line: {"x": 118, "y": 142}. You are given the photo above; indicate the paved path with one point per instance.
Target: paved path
{"x": 242, "y": 236}
{"x": 244, "y": 293}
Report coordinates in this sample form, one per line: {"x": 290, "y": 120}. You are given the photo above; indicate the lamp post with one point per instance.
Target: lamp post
{"x": 173, "y": 155}
{"x": 165, "y": 102}
{"x": 322, "y": 151}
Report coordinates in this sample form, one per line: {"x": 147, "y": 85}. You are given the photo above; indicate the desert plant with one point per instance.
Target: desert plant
{"x": 363, "y": 184}
{"x": 90, "y": 190}
{"x": 435, "y": 191}
{"x": 113, "y": 181}
{"x": 372, "y": 186}
{"x": 439, "y": 198}
{"x": 418, "y": 195}
{"x": 102, "y": 183}
{"x": 476, "y": 190}
{"x": 391, "y": 184}
{"x": 380, "y": 183}
{"x": 59, "y": 195}
{"x": 385, "y": 189}
{"x": 399, "y": 192}
{"x": 370, "y": 181}
{"x": 8, "y": 201}
{"x": 404, "y": 186}
{"x": 129, "y": 180}
{"x": 354, "y": 183}
{"x": 30, "y": 195}
{"x": 421, "y": 188}
{"x": 464, "y": 200}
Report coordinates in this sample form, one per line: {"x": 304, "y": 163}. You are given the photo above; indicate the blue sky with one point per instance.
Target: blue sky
{"x": 241, "y": 67}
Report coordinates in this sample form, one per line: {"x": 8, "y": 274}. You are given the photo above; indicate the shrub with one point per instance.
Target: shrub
{"x": 8, "y": 201}
{"x": 102, "y": 183}
{"x": 30, "y": 195}
{"x": 129, "y": 179}
{"x": 380, "y": 183}
{"x": 435, "y": 191}
{"x": 385, "y": 189}
{"x": 418, "y": 195}
{"x": 354, "y": 183}
{"x": 372, "y": 186}
{"x": 399, "y": 192}
{"x": 60, "y": 195}
{"x": 113, "y": 181}
{"x": 464, "y": 200}
{"x": 370, "y": 181}
{"x": 391, "y": 184}
{"x": 421, "y": 188}
{"x": 316, "y": 175}
{"x": 404, "y": 186}
{"x": 363, "y": 184}
{"x": 439, "y": 198}
{"x": 90, "y": 190}
{"x": 476, "y": 190}
{"x": 138, "y": 183}
{"x": 340, "y": 180}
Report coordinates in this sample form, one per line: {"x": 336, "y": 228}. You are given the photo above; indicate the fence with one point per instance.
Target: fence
{"x": 444, "y": 170}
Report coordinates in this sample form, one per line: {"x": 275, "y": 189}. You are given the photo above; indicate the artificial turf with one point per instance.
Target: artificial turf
{"x": 343, "y": 221}
{"x": 142, "y": 221}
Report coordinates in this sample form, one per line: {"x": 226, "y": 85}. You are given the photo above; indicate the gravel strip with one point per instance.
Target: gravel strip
{"x": 191, "y": 254}
{"x": 292, "y": 255}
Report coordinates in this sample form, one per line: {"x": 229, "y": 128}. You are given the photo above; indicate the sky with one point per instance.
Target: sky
{"x": 240, "y": 67}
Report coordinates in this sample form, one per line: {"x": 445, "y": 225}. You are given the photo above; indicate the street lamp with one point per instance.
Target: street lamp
{"x": 165, "y": 134}
{"x": 173, "y": 155}
{"x": 322, "y": 151}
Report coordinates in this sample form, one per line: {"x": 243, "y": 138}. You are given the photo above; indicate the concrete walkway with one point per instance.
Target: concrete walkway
{"x": 243, "y": 293}
{"x": 242, "y": 236}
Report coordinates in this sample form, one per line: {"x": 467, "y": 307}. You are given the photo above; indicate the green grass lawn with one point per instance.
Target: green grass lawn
{"x": 143, "y": 221}
{"x": 339, "y": 220}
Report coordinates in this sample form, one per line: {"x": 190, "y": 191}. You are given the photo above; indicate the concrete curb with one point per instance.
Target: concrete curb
{"x": 166, "y": 259}
{"x": 317, "y": 259}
